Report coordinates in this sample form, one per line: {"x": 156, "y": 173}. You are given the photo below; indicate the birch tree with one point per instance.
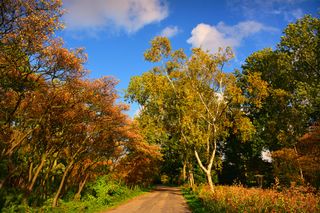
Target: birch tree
{"x": 197, "y": 96}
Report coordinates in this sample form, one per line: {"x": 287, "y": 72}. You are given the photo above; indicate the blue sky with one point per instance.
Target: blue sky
{"x": 115, "y": 33}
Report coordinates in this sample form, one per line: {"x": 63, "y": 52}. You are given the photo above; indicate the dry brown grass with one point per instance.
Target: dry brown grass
{"x": 241, "y": 199}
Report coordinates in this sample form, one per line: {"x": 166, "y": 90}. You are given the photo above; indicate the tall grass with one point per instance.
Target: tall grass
{"x": 241, "y": 199}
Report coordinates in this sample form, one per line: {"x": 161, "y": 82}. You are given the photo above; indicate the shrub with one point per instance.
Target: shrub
{"x": 103, "y": 193}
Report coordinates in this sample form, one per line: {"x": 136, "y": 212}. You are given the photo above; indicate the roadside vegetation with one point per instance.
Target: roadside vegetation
{"x": 241, "y": 199}
{"x": 97, "y": 196}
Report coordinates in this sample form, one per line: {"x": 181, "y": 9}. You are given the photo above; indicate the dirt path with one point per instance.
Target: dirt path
{"x": 163, "y": 199}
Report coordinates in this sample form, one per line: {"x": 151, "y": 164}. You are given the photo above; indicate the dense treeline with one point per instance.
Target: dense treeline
{"x": 215, "y": 125}
{"x": 58, "y": 130}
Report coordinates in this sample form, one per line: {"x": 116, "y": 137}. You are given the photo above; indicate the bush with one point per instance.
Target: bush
{"x": 101, "y": 194}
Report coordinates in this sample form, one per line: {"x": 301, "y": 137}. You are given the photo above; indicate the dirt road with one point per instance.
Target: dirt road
{"x": 162, "y": 200}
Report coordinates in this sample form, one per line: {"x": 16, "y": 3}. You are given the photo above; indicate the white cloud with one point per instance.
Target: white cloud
{"x": 293, "y": 14}
{"x": 212, "y": 37}
{"x": 287, "y": 9}
{"x": 128, "y": 15}
{"x": 170, "y": 31}
{"x": 209, "y": 38}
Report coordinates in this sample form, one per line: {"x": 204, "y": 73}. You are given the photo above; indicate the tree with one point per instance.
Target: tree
{"x": 57, "y": 129}
{"x": 308, "y": 149}
{"x": 292, "y": 73}
{"x": 140, "y": 160}
{"x": 194, "y": 99}
{"x": 158, "y": 92}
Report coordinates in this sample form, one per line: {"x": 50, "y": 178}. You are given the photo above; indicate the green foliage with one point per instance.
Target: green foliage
{"x": 171, "y": 162}
{"x": 191, "y": 104}
{"x": 11, "y": 200}
{"x": 193, "y": 201}
{"x": 101, "y": 194}
{"x": 291, "y": 102}
{"x": 242, "y": 162}
{"x": 292, "y": 72}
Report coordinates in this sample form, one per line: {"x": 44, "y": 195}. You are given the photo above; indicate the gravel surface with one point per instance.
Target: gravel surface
{"x": 162, "y": 199}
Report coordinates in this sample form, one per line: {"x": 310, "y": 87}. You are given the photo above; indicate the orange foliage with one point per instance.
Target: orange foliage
{"x": 57, "y": 129}
{"x": 141, "y": 164}
{"x": 300, "y": 163}
{"x": 240, "y": 199}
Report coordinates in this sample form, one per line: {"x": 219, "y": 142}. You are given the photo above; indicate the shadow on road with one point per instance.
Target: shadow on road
{"x": 169, "y": 189}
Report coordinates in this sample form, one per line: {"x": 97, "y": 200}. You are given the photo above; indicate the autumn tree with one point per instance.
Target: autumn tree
{"x": 308, "y": 149}
{"x": 30, "y": 56}
{"x": 139, "y": 161}
{"x": 57, "y": 129}
{"x": 300, "y": 163}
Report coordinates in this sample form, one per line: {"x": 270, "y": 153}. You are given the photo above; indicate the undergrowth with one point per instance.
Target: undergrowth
{"x": 241, "y": 199}
{"x": 193, "y": 201}
{"x": 100, "y": 195}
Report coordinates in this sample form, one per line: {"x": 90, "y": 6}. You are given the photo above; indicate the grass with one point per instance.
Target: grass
{"x": 193, "y": 201}
{"x": 123, "y": 200}
{"x": 241, "y": 199}
{"x": 104, "y": 197}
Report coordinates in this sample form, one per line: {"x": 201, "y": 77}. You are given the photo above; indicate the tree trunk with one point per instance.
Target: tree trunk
{"x": 209, "y": 178}
{"x": 184, "y": 171}
{"x": 190, "y": 174}
{"x": 300, "y": 169}
{"x": 11, "y": 149}
{"x": 81, "y": 185}
{"x": 209, "y": 166}
{"x": 191, "y": 179}
{"x": 55, "y": 200}
{"x": 43, "y": 160}
{"x": 30, "y": 172}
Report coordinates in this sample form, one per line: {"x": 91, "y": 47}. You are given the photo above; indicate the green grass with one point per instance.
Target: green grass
{"x": 193, "y": 201}
{"x": 97, "y": 196}
{"x": 129, "y": 197}
{"x": 105, "y": 199}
